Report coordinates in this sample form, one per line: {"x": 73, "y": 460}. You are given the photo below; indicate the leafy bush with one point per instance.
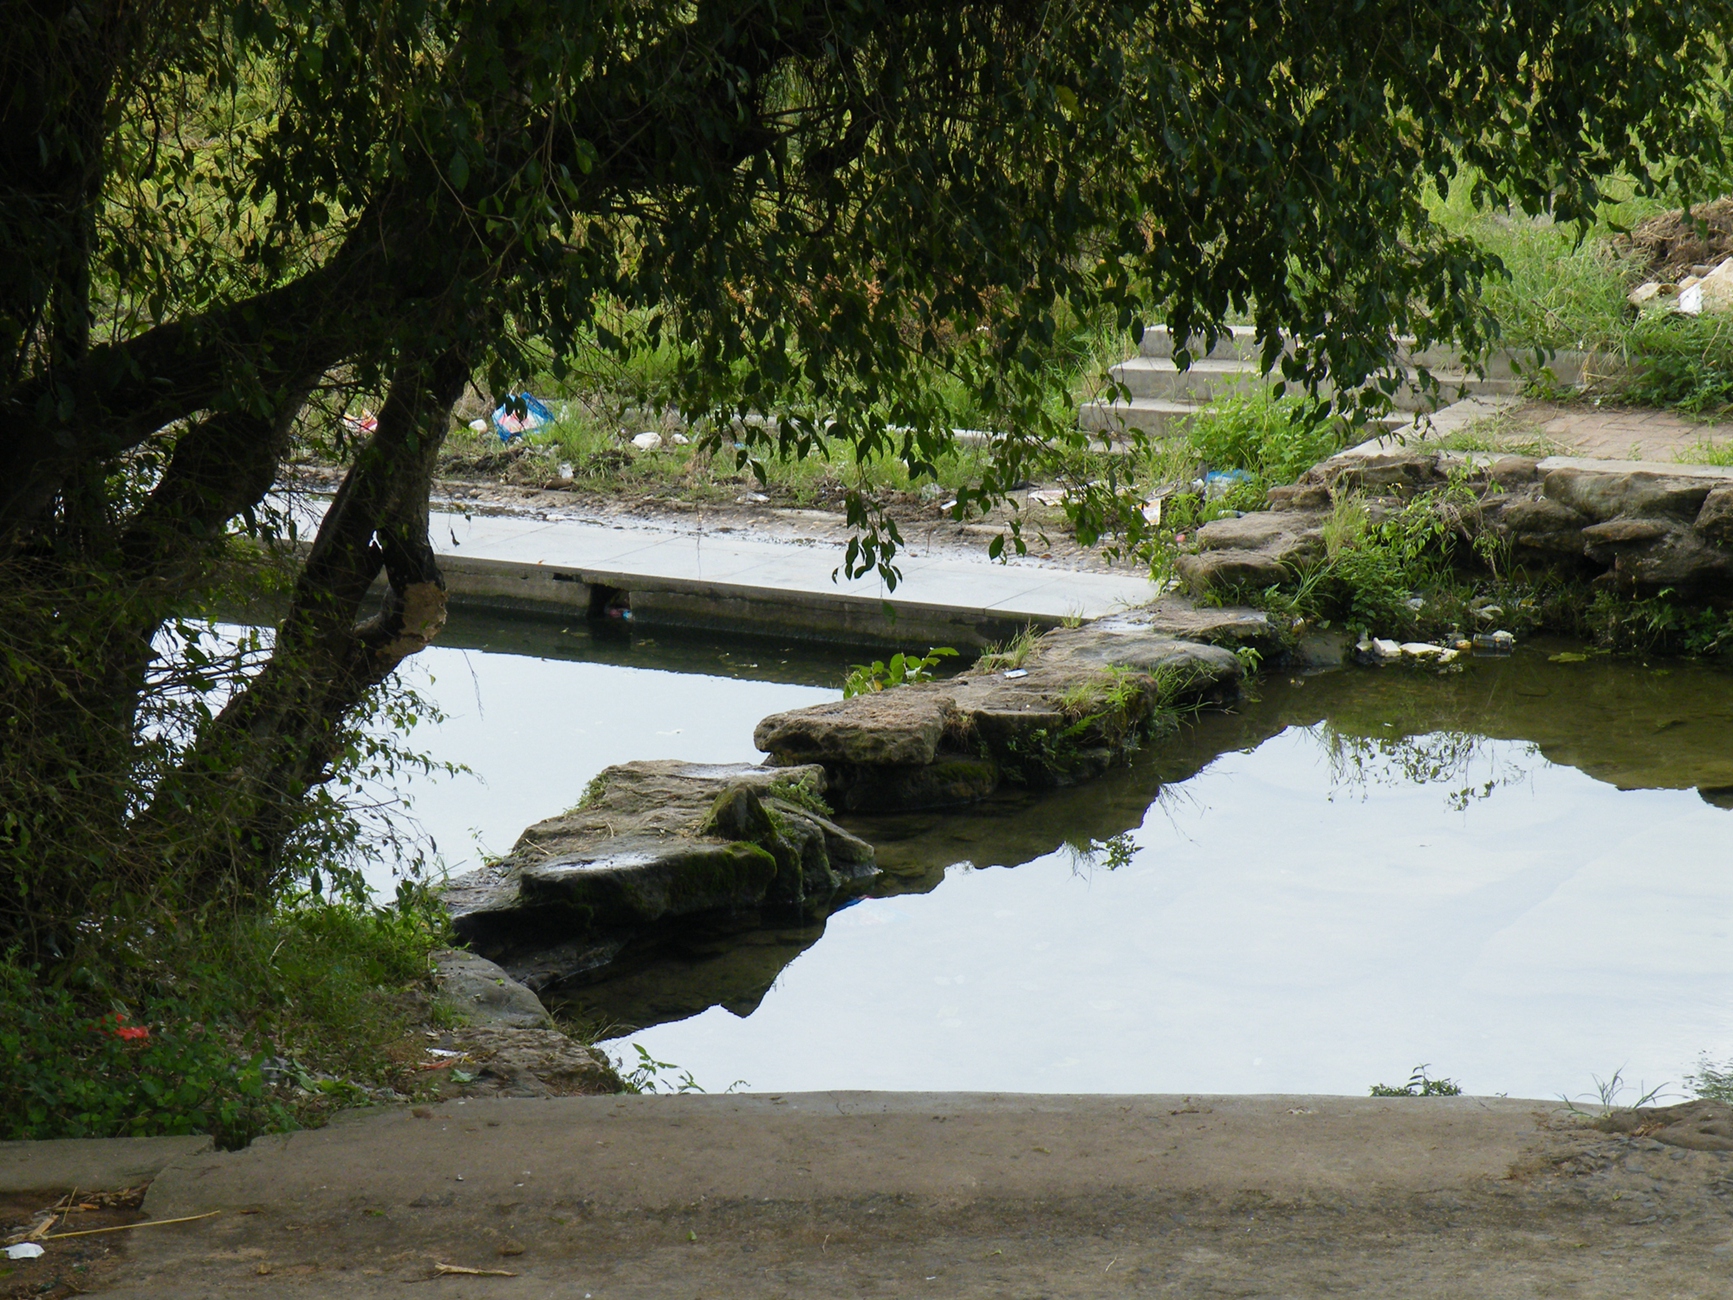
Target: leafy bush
{"x": 72, "y": 1074}
{"x": 1274, "y": 439}
{"x": 1681, "y": 361}
{"x": 1659, "y": 624}
{"x": 202, "y": 1030}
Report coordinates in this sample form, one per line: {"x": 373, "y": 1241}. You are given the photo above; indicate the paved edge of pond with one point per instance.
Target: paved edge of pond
{"x": 820, "y": 1193}
{"x": 720, "y": 582}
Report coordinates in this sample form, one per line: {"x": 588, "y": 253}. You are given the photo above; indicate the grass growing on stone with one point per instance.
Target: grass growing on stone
{"x": 1712, "y": 1081}
{"x": 233, "y": 1027}
{"x": 1709, "y": 453}
{"x": 1008, "y": 656}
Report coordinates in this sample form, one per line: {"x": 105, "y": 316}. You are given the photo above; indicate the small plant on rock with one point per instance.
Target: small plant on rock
{"x": 1712, "y": 1081}
{"x": 1420, "y": 1084}
{"x": 902, "y": 670}
{"x": 1009, "y": 655}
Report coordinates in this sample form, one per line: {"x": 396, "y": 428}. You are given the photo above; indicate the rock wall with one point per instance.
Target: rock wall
{"x": 1640, "y": 527}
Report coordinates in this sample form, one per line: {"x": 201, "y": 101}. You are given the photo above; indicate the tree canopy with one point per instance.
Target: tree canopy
{"x": 217, "y": 220}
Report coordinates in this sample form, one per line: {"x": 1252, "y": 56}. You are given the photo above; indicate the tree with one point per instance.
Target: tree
{"x": 218, "y": 220}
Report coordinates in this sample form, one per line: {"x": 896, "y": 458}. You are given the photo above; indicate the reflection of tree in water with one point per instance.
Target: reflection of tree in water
{"x": 1359, "y": 763}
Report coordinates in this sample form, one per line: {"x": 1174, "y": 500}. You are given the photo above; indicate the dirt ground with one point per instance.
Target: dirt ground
{"x": 954, "y": 1195}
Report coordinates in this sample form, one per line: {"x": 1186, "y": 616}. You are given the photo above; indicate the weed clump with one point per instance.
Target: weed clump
{"x": 1420, "y": 1084}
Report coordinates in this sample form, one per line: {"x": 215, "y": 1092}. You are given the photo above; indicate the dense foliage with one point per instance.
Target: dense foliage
{"x": 229, "y": 1028}
{"x": 218, "y": 224}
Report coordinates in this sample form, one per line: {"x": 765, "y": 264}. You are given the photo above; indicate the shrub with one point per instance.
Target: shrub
{"x": 233, "y": 1026}
{"x": 1274, "y": 439}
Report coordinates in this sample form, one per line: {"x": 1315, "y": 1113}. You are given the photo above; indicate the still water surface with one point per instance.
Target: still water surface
{"x": 1356, "y": 873}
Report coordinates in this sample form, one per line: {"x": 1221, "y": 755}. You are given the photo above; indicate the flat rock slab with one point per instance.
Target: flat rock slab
{"x": 651, "y": 843}
{"x": 1227, "y": 625}
{"x": 1074, "y": 704}
{"x": 967, "y": 1195}
{"x": 900, "y": 727}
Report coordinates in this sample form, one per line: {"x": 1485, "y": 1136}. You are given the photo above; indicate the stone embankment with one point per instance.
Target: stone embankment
{"x": 1639, "y": 527}
{"x": 655, "y": 846}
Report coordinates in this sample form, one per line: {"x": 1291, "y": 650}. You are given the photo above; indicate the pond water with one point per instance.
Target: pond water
{"x": 1521, "y": 875}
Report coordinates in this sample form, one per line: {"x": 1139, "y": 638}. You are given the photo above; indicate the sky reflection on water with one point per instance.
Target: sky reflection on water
{"x": 1315, "y": 910}
{"x": 1282, "y": 929}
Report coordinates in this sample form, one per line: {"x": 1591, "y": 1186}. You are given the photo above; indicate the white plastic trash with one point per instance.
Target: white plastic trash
{"x": 24, "y": 1250}
{"x": 647, "y": 441}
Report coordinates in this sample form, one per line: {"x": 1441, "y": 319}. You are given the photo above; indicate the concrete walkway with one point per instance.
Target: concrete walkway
{"x": 953, "y": 1195}
{"x": 683, "y": 576}
{"x": 1579, "y": 430}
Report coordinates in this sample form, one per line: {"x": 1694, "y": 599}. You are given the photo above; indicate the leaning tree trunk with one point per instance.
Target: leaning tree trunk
{"x": 221, "y": 823}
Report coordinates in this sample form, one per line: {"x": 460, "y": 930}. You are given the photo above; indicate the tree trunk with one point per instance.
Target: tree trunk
{"x": 223, "y": 822}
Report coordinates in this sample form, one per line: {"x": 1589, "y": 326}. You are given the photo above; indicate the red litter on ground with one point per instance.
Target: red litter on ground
{"x": 115, "y": 1026}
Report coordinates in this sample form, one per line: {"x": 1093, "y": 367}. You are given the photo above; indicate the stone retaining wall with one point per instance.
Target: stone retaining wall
{"x": 1640, "y": 527}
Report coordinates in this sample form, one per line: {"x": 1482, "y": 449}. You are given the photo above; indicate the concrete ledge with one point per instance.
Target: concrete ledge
{"x": 92, "y": 1164}
{"x": 1665, "y": 468}
{"x": 724, "y": 582}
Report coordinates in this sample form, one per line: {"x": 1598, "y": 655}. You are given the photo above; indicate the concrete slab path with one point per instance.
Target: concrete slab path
{"x": 953, "y": 1195}
{"x": 686, "y": 576}
{"x": 1579, "y": 430}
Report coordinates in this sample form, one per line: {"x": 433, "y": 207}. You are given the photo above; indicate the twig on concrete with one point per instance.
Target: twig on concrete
{"x": 127, "y": 1227}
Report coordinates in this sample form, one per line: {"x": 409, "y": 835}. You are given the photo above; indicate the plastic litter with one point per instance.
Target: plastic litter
{"x": 1218, "y": 483}
{"x": 679, "y": 439}
{"x": 510, "y": 425}
{"x": 1378, "y": 650}
{"x": 647, "y": 441}
{"x": 115, "y": 1026}
{"x": 24, "y": 1250}
{"x": 1494, "y": 643}
{"x": 364, "y": 423}
{"x": 478, "y": 426}
{"x": 1015, "y": 673}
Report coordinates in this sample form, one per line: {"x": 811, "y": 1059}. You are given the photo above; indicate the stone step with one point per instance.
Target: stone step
{"x": 1160, "y": 417}
{"x": 1160, "y": 377}
{"x": 1567, "y": 365}
{"x": 1157, "y": 417}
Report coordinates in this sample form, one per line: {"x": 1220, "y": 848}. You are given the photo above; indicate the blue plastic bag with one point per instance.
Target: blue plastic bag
{"x": 509, "y": 425}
